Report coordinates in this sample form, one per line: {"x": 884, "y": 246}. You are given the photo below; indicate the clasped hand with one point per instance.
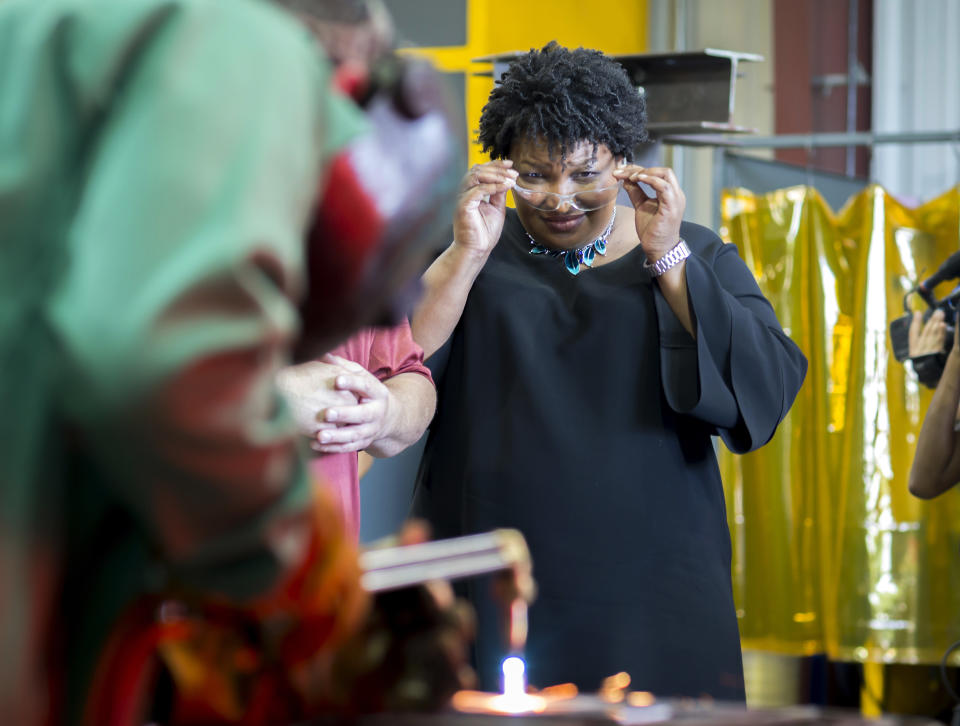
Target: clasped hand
{"x": 337, "y": 403}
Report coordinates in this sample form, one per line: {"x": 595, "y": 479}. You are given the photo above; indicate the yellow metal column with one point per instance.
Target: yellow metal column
{"x": 871, "y": 692}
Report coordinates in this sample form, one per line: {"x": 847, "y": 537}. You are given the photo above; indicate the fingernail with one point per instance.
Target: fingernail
{"x": 323, "y": 438}
{"x": 341, "y": 381}
{"x": 331, "y": 415}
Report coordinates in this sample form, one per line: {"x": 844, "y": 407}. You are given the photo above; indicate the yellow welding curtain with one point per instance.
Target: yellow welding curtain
{"x": 831, "y": 552}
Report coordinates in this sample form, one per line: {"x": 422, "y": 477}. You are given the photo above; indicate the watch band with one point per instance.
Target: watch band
{"x": 674, "y": 256}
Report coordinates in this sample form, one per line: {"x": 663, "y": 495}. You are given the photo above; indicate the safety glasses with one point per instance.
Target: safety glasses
{"x": 586, "y": 200}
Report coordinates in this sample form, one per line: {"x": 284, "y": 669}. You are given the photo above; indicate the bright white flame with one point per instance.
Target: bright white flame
{"x": 513, "y": 700}
{"x": 514, "y": 680}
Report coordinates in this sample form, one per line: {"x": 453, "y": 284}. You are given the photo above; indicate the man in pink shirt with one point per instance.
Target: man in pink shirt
{"x": 372, "y": 393}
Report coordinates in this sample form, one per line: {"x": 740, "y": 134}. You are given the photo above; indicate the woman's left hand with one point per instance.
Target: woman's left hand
{"x": 657, "y": 218}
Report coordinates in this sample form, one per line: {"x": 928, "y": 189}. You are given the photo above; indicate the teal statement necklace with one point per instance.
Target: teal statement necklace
{"x": 581, "y": 256}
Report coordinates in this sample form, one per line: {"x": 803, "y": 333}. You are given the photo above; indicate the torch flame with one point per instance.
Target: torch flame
{"x": 513, "y": 700}
{"x": 514, "y": 677}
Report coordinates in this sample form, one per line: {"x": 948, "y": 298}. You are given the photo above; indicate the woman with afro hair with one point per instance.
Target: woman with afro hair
{"x": 591, "y": 343}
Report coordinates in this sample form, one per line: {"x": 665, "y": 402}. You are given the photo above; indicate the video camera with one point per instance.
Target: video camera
{"x": 929, "y": 366}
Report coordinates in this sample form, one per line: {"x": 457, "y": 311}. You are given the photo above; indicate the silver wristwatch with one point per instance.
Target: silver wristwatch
{"x": 675, "y": 256}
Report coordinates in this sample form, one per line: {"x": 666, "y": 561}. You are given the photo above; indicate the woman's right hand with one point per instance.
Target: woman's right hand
{"x": 482, "y": 205}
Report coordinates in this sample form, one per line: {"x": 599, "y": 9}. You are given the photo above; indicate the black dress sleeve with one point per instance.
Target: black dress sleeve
{"x": 742, "y": 372}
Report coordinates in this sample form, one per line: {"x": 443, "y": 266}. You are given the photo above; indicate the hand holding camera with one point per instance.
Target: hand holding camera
{"x": 925, "y": 338}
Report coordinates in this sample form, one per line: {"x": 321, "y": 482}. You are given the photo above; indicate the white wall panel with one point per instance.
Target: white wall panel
{"x": 916, "y": 87}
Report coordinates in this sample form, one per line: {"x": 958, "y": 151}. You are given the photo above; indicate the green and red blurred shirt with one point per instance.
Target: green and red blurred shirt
{"x": 158, "y": 162}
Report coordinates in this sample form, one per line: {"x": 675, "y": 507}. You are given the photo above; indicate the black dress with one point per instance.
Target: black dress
{"x": 579, "y": 411}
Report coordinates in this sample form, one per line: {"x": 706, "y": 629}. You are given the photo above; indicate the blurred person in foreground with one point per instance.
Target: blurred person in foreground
{"x": 936, "y": 461}
{"x": 590, "y": 351}
{"x": 159, "y": 167}
{"x": 371, "y": 396}
{"x": 372, "y": 393}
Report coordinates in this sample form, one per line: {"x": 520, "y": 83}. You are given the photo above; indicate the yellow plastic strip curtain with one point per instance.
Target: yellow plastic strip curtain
{"x": 831, "y": 552}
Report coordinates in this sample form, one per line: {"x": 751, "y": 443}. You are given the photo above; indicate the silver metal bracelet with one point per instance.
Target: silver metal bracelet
{"x": 677, "y": 254}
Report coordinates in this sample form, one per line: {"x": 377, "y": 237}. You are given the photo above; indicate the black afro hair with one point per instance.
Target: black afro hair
{"x": 564, "y": 97}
